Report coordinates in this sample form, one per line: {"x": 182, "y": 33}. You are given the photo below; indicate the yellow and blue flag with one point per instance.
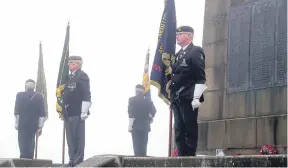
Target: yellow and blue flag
{"x": 165, "y": 53}
{"x": 63, "y": 73}
{"x": 146, "y": 80}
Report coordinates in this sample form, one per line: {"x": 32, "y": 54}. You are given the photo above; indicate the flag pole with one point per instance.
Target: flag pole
{"x": 63, "y": 144}
{"x": 63, "y": 134}
{"x": 37, "y": 135}
{"x": 170, "y": 133}
{"x": 36, "y": 146}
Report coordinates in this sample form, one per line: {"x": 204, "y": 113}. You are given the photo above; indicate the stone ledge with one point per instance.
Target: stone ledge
{"x": 208, "y": 161}
{"x": 102, "y": 161}
{"x": 13, "y": 162}
{"x": 199, "y": 161}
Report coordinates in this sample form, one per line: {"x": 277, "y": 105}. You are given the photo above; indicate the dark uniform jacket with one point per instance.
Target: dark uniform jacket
{"x": 140, "y": 108}
{"x": 188, "y": 70}
{"x": 77, "y": 89}
{"x": 29, "y": 105}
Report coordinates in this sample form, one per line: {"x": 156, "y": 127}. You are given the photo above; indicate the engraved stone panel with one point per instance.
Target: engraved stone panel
{"x": 238, "y": 48}
{"x": 281, "y": 43}
{"x": 257, "y": 45}
{"x": 262, "y": 49}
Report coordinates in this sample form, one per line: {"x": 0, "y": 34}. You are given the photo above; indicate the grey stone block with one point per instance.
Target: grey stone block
{"x": 216, "y": 135}
{"x": 215, "y": 78}
{"x": 15, "y": 162}
{"x": 215, "y": 53}
{"x": 271, "y": 101}
{"x": 202, "y": 135}
{"x": 102, "y": 161}
{"x": 215, "y": 30}
{"x": 265, "y": 131}
{"x": 32, "y": 163}
{"x": 212, "y": 107}
{"x": 215, "y": 9}
{"x": 6, "y": 163}
{"x": 241, "y": 133}
{"x": 240, "y": 105}
{"x": 207, "y": 161}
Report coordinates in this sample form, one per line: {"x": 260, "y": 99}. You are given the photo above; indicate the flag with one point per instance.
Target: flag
{"x": 165, "y": 53}
{"x": 41, "y": 80}
{"x": 146, "y": 80}
{"x": 63, "y": 73}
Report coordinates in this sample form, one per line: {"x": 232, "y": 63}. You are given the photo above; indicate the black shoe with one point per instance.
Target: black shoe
{"x": 71, "y": 163}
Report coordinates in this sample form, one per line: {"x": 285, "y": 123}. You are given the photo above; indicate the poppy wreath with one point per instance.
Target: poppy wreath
{"x": 175, "y": 152}
{"x": 267, "y": 150}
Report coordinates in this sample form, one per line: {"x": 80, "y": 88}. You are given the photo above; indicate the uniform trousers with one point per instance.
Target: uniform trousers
{"x": 26, "y": 141}
{"x": 140, "y": 141}
{"x": 75, "y": 133}
{"x": 186, "y": 127}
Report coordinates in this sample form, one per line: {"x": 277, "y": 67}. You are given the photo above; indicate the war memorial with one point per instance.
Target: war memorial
{"x": 246, "y": 101}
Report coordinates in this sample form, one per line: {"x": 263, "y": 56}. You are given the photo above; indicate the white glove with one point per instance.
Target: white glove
{"x": 16, "y": 122}
{"x": 39, "y": 132}
{"x": 198, "y": 91}
{"x": 151, "y": 118}
{"x": 41, "y": 122}
{"x": 131, "y": 121}
{"x": 195, "y": 103}
{"x": 130, "y": 129}
{"x": 84, "y": 110}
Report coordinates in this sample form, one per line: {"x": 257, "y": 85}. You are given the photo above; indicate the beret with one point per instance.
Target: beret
{"x": 75, "y": 58}
{"x": 185, "y": 29}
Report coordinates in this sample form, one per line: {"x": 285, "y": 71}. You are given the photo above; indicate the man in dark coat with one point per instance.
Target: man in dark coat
{"x": 188, "y": 84}
{"x": 141, "y": 112}
{"x": 77, "y": 101}
{"x": 29, "y": 118}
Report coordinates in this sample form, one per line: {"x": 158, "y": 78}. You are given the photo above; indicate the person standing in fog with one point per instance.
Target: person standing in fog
{"x": 30, "y": 117}
{"x": 141, "y": 112}
{"x": 188, "y": 84}
{"x": 77, "y": 102}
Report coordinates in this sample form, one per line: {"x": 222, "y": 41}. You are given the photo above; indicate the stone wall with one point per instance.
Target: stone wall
{"x": 238, "y": 122}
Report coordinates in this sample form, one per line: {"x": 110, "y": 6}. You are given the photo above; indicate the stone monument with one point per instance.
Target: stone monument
{"x": 246, "y": 68}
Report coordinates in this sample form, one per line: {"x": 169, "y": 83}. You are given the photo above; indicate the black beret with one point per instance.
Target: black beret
{"x": 139, "y": 87}
{"x": 185, "y": 29}
{"x": 75, "y": 58}
{"x": 30, "y": 80}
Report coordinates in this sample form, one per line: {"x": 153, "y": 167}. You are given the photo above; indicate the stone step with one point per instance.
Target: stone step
{"x": 16, "y": 162}
{"x": 199, "y": 161}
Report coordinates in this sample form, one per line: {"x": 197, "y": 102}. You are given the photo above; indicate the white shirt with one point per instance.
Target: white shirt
{"x": 71, "y": 73}
{"x": 183, "y": 48}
